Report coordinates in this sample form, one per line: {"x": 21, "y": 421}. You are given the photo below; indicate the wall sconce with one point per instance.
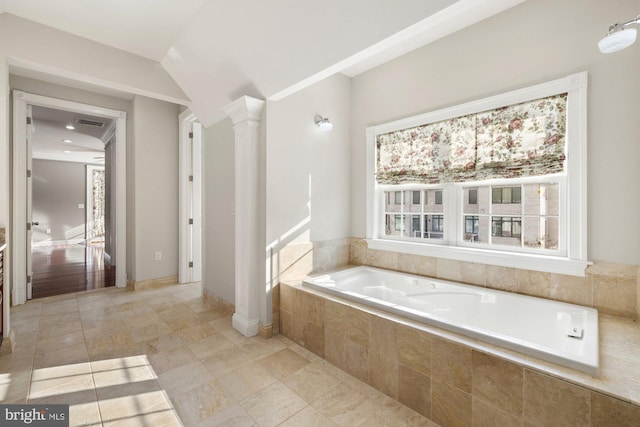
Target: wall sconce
{"x": 323, "y": 123}
{"x": 618, "y": 37}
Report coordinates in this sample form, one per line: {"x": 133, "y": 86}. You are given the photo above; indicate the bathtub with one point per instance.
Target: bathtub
{"x": 557, "y": 332}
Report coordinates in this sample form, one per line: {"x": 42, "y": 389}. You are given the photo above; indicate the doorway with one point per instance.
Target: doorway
{"x": 68, "y": 230}
{"x": 112, "y": 154}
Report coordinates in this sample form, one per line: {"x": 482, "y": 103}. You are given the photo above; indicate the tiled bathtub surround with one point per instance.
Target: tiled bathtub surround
{"x": 296, "y": 260}
{"x": 455, "y": 380}
{"x": 611, "y": 288}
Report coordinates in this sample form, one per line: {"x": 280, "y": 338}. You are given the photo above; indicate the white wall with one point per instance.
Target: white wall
{"x": 58, "y": 188}
{"x": 531, "y": 43}
{"x": 155, "y": 188}
{"x": 307, "y": 170}
{"x": 218, "y": 220}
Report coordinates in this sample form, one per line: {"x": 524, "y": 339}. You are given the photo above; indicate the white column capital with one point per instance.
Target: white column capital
{"x": 244, "y": 109}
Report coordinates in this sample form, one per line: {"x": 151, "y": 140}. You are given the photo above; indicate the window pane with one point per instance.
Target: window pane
{"x": 541, "y": 232}
{"x": 541, "y": 199}
{"x": 398, "y": 197}
{"x": 506, "y": 230}
{"x": 471, "y": 228}
{"x": 434, "y": 226}
{"x": 416, "y": 197}
{"x": 415, "y": 226}
{"x": 470, "y": 200}
{"x": 515, "y": 194}
{"x": 434, "y": 198}
{"x": 496, "y": 195}
{"x": 390, "y": 199}
{"x": 508, "y": 206}
{"x": 390, "y": 225}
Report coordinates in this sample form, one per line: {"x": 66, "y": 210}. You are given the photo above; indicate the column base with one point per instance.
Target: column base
{"x": 248, "y": 328}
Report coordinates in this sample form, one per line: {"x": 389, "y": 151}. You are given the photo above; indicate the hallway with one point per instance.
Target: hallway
{"x": 167, "y": 357}
{"x": 66, "y": 268}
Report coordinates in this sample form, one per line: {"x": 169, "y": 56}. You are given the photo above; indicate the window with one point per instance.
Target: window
{"x": 438, "y": 197}
{"x": 506, "y": 195}
{"x": 498, "y": 180}
{"x": 472, "y": 196}
{"x": 416, "y": 197}
{"x": 398, "y": 197}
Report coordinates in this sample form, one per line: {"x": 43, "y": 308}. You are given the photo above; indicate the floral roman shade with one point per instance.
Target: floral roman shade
{"x": 526, "y": 139}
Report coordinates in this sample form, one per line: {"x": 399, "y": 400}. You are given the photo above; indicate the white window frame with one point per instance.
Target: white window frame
{"x": 571, "y": 257}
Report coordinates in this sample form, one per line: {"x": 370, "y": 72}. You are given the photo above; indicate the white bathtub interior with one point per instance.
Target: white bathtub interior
{"x": 558, "y": 332}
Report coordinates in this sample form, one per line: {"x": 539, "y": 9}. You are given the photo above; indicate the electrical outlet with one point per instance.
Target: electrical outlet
{"x": 158, "y": 256}
{"x": 48, "y": 231}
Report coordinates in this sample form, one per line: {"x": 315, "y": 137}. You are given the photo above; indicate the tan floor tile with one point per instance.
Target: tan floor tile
{"x": 63, "y": 341}
{"x": 202, "y": 402}
{"x": 121, "y": 371}
{"x": 283, "y": 363}
{"x": 308, "y": 417}
{"x": 150, "y": 409}
{"x": 184, "y": 378}
{"x": 247, "y": 380}
{"x": 227, "y": 360}
{"x": 258, "y": 347}
{"x": 196, "y": 333}
{"x": 233, "y": 416}
{"x": 70, "y": 355}
{"x": 170, "y": 359}
{"x": 148, "y": 332}
{"x": 210, "y": 345}
{"x": 311, "y": 382}
{"x": 344, "y": 406}
{"x": 389, "y": 413}
{"x": 273, "y": 405}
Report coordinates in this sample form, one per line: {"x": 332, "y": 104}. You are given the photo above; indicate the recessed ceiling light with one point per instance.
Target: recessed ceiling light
{"x": 67, "y": 152}
{"x": 70, "y": 127}
{"x": 68, "y": 141}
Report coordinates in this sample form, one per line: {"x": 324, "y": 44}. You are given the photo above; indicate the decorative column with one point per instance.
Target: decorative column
{"x": 249, "y": 256}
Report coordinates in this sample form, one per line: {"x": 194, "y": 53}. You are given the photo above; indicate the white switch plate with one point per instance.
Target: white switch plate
{"x": 158, "y": 256}
{"x": 80, "y": 205}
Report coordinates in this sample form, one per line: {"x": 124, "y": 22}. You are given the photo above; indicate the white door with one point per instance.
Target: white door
{"x": 190, "y": 199}
{"x": 29, "y": 201}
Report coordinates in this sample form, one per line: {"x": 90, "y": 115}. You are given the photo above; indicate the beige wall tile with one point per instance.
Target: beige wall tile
{"x": 314, "y": 338}
{"x": 357, "y": 327}
{"x": 535, "y": 283}
{"x": 416, "y": 264}
{"x": 334, "y": 347}
{"x": 357, "y": 360}
{"x": 382, "y": 259}
{"x": 473, "y": 273}
{"x": 414, "y": 390}
{"x": 294, "y": 261}
{"x": 498, "y": 382}
{"x": 451, "y": 364}
{"x": 503, "y": 278}
{"x": 358, "y": 254}
{"x": 449, "y": 269}
{"x": 335, "y": 316}
{"x": 611, "y": 269}
{"x": 572, "y": 289}
{"x": 383, "y": 374}
{"x": 287, "y": 295}
{"x": 615, "y": 295}
{"x": 285, "y": 325}
{"x": 414, "y": 349}
{"x": 607, "y": 411}
{"x": 487, "y": 415}
{"x": 449, "y": 405}
{"x": 383, "y": 337}
{"x": 551, "y": 402}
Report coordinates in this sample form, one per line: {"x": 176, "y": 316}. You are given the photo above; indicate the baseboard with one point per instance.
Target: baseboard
{"x": 244, "y": 326}
{"x": 155, "y": 283}
{"x": 265, "y": 331}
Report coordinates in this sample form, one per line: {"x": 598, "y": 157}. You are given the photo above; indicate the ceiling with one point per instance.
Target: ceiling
{"x": 219, "y": 50}
{"x": 85, "y": 142}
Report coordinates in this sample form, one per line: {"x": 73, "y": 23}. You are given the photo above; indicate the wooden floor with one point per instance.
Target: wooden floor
{"x": 62, "y": 269}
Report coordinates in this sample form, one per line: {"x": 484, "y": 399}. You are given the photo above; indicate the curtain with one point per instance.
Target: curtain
{"x": 526, "y": 139}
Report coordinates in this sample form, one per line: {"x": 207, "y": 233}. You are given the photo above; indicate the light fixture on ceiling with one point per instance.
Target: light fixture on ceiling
{"x": 323, "y": 123}
{"x": 67, "y": 152}
{"x": 70, "y": 127}
{"x": 618, "y": 37}
{"x": 68, "y": 141}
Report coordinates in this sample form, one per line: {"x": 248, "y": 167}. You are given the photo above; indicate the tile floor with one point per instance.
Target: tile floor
{"x": 166, "y": 357}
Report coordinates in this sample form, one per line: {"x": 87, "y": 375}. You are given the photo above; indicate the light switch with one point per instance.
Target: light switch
{"x": 80, "y": 205}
